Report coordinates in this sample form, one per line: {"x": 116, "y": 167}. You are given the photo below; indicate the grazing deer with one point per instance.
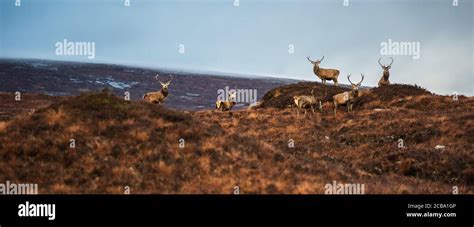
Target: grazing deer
{"x": 158, "y": 96}
{"x": 324, "y": 74}
{"x": 384, "y": 80}
{"x": 305, "y": 101}
{"x": 227, "y": 104}
{"x": 348, "y": 97}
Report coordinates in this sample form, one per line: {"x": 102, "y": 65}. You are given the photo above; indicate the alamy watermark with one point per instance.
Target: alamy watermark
{"x": 68, "y": 48}
{"x": 400, "y": 48}
{"x": 237, "y": 95}
{"x": 9, "y": 188}
{"x": 347, "y": 189}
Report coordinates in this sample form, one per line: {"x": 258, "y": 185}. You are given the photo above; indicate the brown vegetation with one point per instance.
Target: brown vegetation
{"x": 137, "y": 144}
{"x": 282, "y": 97}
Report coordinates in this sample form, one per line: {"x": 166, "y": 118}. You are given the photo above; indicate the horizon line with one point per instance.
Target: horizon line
{"x": 162, "y": 68}
{"x": 197, "y": 72}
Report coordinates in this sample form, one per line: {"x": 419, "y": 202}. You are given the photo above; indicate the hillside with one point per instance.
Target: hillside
{"x": 121, "y": 143}
{"x": 281, "y": 97}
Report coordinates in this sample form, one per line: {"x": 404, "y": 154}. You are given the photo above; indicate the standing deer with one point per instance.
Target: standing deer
{"x": 158, "y": 97}
{"x": 305, "y": 101}
{"x": 324, "y": 74}
{"x": 384, "y": 80}
{"x": 227, "y": 105}
{"x": 348, "y": 97}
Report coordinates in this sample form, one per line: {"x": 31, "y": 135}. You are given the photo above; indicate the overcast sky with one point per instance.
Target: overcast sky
{"x": 254, "y": 37}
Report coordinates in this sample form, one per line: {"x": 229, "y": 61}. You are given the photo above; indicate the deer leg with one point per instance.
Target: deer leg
{"x": 335, "y": 82}
{"x": 335, "y": 109}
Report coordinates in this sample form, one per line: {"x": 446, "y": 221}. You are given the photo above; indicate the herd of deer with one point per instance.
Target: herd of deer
{"x": 346, "y": 98}
{"x": 301, "y": 101}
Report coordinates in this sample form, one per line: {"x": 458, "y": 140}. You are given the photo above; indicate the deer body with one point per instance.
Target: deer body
{"x": 324, "y": 74}
{"x": 226, "y": 105}
{"x": 384, "y": 81}
{"x": 348, "y": 97}
{"x": 158, "y": 97}
{"x": 306, "y": 101}
{"x": 345, "y": 98}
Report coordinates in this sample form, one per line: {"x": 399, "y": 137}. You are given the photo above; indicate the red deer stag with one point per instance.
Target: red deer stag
{"x": 158, "y": 97}
{"x": 324, "y": 74}
{"x": 226, "y": 105}
{"x": 348, "y": 97}
{"x": 384, "y": 80}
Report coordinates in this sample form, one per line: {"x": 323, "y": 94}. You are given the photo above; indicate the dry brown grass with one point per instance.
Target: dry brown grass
{"x": 136, "y": 144}
{"x": 3, "y": 125}
{"x": 53, "y": 116}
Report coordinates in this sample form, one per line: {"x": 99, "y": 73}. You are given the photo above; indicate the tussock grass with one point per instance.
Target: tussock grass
{"x": 121, "y": 143}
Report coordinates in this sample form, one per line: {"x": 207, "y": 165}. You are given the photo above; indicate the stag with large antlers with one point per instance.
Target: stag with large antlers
{"x": 348, "y": 97}
{"x": 324, "y": 74}
{"x": 158, "y": 96}
{"x": 384, "y": 80}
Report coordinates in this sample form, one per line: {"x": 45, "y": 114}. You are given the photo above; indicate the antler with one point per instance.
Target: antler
{"x": 381, "y": 63}
{"x": 361, "y": 80}
{"x": 349, "y": 78}
{"x": 156, "y": 77}
{"x": 387, "y": 65}
{"x": 391, "y": 62}
{"x": 310, "y": 60}
{"x": 321, "y": 59}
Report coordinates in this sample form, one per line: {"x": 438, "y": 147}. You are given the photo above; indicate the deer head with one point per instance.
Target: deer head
{"x": 386, "y": 68}
{"x": 164, "y": 85}
{"x": 355, "y": 87}
{"x": 317, "y": 62}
